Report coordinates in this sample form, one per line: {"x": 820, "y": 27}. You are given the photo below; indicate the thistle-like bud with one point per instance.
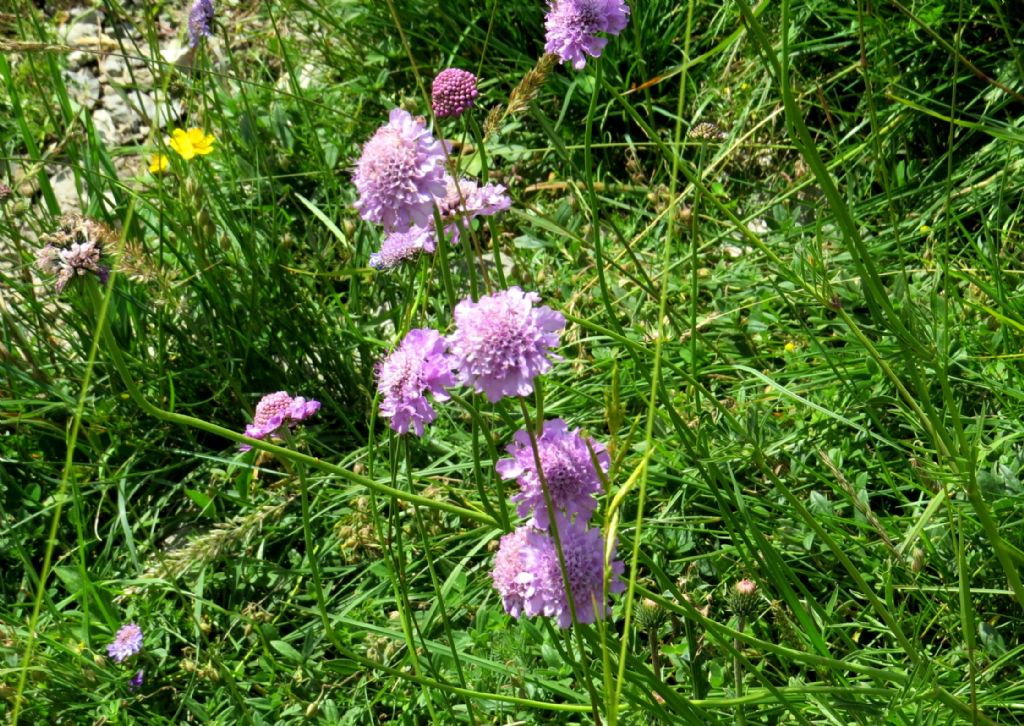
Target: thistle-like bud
{"x": 650, "y": 615}
{"x": 744, "y": 598}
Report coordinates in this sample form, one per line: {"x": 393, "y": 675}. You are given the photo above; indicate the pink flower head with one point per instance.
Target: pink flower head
{"x": 399, "y": 174}
{"x": 502, "y": 342}
{"x": 127, "y": 642}
{"x": 276, "y": 411}
{"x": 419, "y": 364}
{"x": 453, "y": 92}
{"x": 568, "y": 469}
{"x": 573, "y": 27}
{"x": 528, "y": 577}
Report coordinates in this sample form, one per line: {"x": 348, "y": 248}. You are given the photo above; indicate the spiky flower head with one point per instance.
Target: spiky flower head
{"x": 127, "y": 642}
{"x": 528, "y": 576}
{"x": 399, "y": 173}
{"x": 568, "y": 469}
{"x": 275, "y": 412}
{"x": 650, "y": 615}
{"x": 419, "y": 364}
{"x": 573, "y": 27}
{"x": 74, "y": 249}
{"x": 453, "y": 92}
{"x": 502, "y": 342}
{"x": 199, "y": 18}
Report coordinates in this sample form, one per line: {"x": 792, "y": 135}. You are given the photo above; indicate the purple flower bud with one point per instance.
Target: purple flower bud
{"x": 453, "y": 92}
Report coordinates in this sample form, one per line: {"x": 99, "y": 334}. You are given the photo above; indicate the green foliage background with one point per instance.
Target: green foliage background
{"x": 801, "y": 340}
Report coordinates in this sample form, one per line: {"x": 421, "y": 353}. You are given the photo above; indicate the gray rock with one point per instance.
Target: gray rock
{"x": 62, "y": 180}
{"x": 126, "y": 119}
{"x": 103, "y": 121}
{"x": 83, "y": 88}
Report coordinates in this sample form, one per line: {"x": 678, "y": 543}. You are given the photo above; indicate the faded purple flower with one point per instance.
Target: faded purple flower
{"x": 462, "y": 202}
{"x": 453, "y": 92}
{"x": 398, "y": 247}
{"x": 276, "y": 411}
{"x": 199, "y": 18}
{"x": 509, "y": 576}
{"x": 573, "y": 27}
{"x": 528, "y": 576}
{"x": 419, "y": 364}
{"x": 568, "y": 469}
{"x": 465, "y": 200}
{"x": 73, "y": 250}
{"x": 502, "y": 342}
{"x": 399, "y": 174}
{"x": 127, "y": 642}
{"x": 136, "y": 681}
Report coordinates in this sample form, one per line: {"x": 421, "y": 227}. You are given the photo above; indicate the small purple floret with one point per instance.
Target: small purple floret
{"x": 136, "y": 681}
{"x": 399, "y": 173}
{"x": 127, "y": 642}
{"x": 276, "y": 411}
{"x": 199, "y": 18}
{"x": 453, "y": 92}
{"x": 419, "y": 364}
{"x": 573, "y": 27}
{"x": 568, "y": 469}
{"x": 502, "y": 342}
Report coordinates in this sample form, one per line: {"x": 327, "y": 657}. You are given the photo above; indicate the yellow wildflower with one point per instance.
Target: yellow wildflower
{"x": 189, "y": 143}
{"x": 790, "y": 347}
{"x": 158, "y": 163}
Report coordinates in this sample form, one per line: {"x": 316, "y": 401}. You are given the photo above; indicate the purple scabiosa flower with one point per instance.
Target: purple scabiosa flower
{"x": 399, "y": 173}
{"x": 419, "y": 364}
{"x": 573, "y": 27}
{"x": 135, "y": 682}
{"x": 529, "y": 579}
{"x": 502, "y": 342}
{"x": 276, "y": 411}
{"x": 127, "y": 642}
{"x": 568, "y": 469}
{"x": 398, "y": 247}
{"x": 199, "y": 18}
{"x": 453, "y": 92}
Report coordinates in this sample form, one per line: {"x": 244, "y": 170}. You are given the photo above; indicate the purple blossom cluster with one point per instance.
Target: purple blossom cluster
{"x": 573, "y": 28}
{"x": 527, "y": 572}
{"x": 500, "y": 344}
{"x": 277, "y": 412}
